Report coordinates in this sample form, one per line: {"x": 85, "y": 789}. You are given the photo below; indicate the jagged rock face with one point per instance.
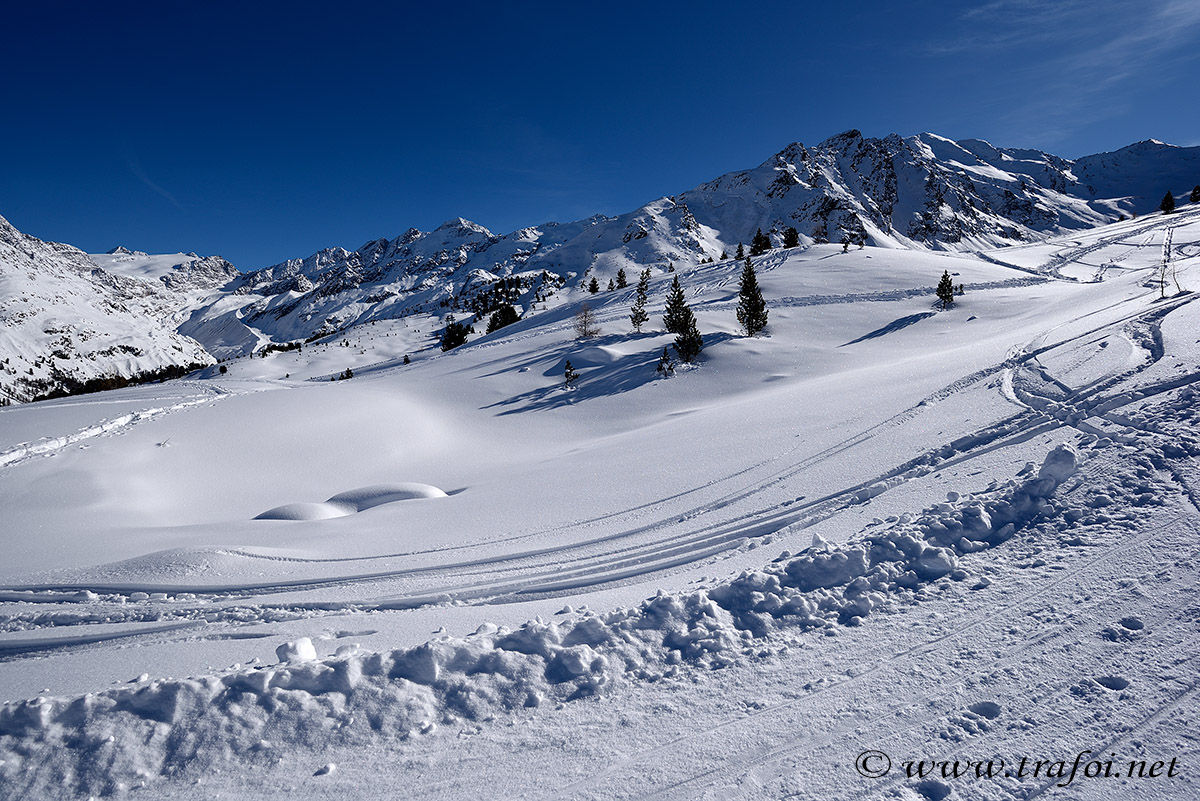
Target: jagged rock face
{"x": 64, "y": 320}
{"x": 919, "y": 191}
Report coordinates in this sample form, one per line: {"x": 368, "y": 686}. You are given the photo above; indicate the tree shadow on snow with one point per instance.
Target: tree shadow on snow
{"x": 602, "y": 371}
{"x": 892, "y": 327}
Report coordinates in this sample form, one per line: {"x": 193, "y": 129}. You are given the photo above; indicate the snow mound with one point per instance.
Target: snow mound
{"x": 300, "y": 650}
{"x": 103, "y": 740}
{"x": 352, "y": 501}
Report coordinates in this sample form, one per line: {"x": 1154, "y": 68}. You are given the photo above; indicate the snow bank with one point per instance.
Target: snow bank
{"x": 103, "y": 742}
{"x": 352, "y": 501}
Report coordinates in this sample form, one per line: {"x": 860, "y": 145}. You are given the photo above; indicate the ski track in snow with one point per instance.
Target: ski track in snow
{"x": 51, "y": 445}
{"x": 1125, "y": 420}
{"x": 663, "y": 545}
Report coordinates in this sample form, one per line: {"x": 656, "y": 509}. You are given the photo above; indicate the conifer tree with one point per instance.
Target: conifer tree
{"x": 945, "y": 290}
{"x": 1168, "y": 203}
{"x": 666, "y": 367}
{"x": 637, "y": 314}
{"x": 760, "y": 244}
{"x": 674, "y": 318}
{"x": 688, "y": 343}
{"x": 455, "y": 333}
{"x": 791, "y": 238}
{"x": 594, "y": 286}
{"x": 505, "y": 315}
{"x": 611, "y": 285}
{"x": 622, "y": 280}
{"x": 751, "y": 308}
{"x": 724, "y": 254}
{"x": 741, "y": 253}
{"x": 569, "y": 375}
{"x": 1195, "y": 196}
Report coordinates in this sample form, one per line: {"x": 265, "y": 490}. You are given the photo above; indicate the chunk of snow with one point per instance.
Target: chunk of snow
{"x": 300, "y": 650}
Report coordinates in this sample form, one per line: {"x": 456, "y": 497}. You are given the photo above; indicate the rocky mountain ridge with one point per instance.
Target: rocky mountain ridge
{"x": 922, "y": 191}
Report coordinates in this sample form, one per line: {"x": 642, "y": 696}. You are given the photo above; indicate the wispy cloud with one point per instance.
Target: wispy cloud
{"x": 1083, "y": 56}
{"x": 135, "y": 167}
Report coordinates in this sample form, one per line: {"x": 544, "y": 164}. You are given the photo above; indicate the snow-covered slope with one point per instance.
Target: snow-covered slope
{"x": 65, "y": 320}
{"x": 936, "y": 534}
{"x": 922, "y": 191}
{"x": 179, "y": 272}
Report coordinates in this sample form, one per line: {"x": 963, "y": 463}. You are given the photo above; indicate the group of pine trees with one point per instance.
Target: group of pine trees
{"x": 622, "y": 281}
{"x": 1168, "y": 202}
{"x": 679, "y": 319}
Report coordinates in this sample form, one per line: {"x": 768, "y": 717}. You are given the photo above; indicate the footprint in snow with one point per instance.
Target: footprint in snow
{"x": 1125, "y": 629}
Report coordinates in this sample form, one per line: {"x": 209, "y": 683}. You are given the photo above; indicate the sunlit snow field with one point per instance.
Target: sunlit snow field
{"x": 469, "y": 490}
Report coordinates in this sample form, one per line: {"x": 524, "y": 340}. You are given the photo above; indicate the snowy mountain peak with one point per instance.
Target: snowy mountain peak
{"x": 923, "y": 191}
{"x": 463, "y": 228}
{"x": 121, "y": 250}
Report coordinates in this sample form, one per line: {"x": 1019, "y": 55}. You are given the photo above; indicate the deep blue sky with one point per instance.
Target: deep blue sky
{"x": 263, "y": 132}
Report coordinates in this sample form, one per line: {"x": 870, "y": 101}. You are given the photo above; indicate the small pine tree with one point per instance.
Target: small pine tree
{"x": 741, "y": 253}
{"x": 622, "y": 280}
{"x": 945, "y": 290}
{"x": 1168, "y": 204}
{"x": 670, "y": 266}
{"x": 791, "y": 238}
{"x": 760, "y": 244}
{"x": 611, "y": 285}
{"x": 751, "y": 308}
{"x": 505, "y": 315}
{"x": 224, "y": 369}
{"x": 455, "y": 333}
{"x": 724, "y": 254}
{"x": 674, "y": 317}
{"x": 688, "y": 343}
{"x": 406, "y": 359}
{"x": 569, "y": 375}
{"x": 666, "y": 367}
{"x": 637, "y": 314}
{"x": 1195, "y": 196}
{"x": 594, "y": 286}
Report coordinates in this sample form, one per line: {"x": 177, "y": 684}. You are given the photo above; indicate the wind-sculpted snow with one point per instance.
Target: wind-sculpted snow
{"x": 351, "y": 501}
{"x": 103, "y": 742}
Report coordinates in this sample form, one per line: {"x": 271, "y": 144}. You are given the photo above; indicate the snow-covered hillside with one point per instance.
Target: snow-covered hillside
{"x": 922, "y": 191}
{"x": 936, "y": 534}
{"x": 66, "y": 319}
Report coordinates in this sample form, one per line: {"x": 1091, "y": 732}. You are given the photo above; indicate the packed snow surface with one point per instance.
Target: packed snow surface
{"x": 883, "y": 527}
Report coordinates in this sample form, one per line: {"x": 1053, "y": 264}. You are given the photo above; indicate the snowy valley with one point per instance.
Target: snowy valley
{"x": 67, "y": 318}
{"x": 935, "y": 533}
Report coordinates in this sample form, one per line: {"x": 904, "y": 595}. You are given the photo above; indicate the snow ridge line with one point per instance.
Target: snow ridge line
{"x": 897, "y": 294}
{"x": 28, "y": 450}
{"x": 161, "y": 727}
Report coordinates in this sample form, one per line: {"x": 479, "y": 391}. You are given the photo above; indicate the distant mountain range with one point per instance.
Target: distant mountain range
{"x": 67, "y": 317}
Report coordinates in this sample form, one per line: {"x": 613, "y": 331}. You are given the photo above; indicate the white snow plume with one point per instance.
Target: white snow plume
{"x": 118, "y": 739}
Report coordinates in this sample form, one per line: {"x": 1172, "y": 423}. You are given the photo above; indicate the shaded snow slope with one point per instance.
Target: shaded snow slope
{"x": 937, "y": 533}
